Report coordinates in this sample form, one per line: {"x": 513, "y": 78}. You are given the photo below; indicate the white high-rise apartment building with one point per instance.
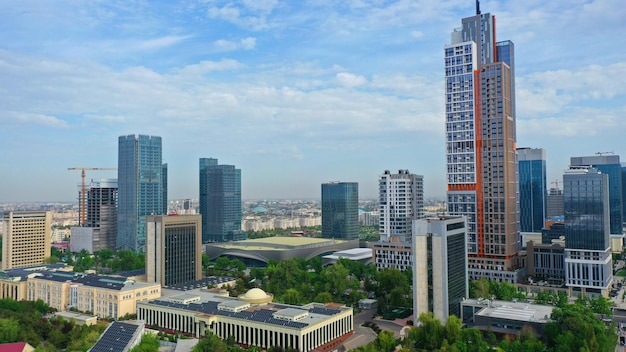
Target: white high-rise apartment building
{"x": 480, "y": 145}
{"x": 401, "y": 200}
{"x": 26, "y": 238}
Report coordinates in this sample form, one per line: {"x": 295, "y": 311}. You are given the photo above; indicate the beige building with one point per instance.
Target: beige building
{"x": 252, "y": 319}
{"x": 173, "y": 249}
{"x": 26, "y": 239}
{"x": 104, "y": 296}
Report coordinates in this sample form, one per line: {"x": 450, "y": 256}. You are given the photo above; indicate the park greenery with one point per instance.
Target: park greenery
{"x": 299, "y": 281}
{"x": 28, "y": 321}
{"x": 574, "y": 327}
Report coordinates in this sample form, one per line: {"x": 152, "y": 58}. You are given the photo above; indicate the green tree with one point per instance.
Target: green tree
{"x": 149, "y": 343}
{"x": 336, "y": 277}
{"x": 292, "y": 296}
{"x": 211, "y": 343}
{"x": 9, "y": 330}
{"x": 323, "y": 297}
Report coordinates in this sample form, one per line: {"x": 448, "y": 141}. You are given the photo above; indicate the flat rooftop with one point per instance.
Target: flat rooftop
{"x": 352, "y": 254}
{"x": 278, "y": 243}
{"x": 518, "y": 311}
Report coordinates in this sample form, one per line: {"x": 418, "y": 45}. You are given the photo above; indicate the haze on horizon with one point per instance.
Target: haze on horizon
{"x": 293, "y": 94}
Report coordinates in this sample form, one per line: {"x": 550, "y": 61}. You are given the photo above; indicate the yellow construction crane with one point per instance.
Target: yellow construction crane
{"x": 83, "y": 188}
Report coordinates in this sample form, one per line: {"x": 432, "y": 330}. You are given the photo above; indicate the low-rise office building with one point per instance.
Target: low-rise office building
{"x": 503, "y": 317}
{"x": 252, "y": 319}
{"x": 60, "y": 288}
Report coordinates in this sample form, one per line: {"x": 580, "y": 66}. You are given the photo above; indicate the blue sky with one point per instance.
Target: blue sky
{"x": 295, "y": 93}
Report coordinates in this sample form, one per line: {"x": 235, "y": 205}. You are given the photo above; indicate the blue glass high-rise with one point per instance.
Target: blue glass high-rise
{"x": 340, "y": 210}
{"x": 140, "y": 188}
{"x": 532, "y": 188}
{"x": 588, "y": 264}
{"x": 610, "y": 165}
{"x": 220, "y": 202}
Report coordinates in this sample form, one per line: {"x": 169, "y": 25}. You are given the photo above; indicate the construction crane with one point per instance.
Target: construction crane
{"x": 83, "y": 188}
{"x": 602, "y": 153}
{"x": 556, "y": 183}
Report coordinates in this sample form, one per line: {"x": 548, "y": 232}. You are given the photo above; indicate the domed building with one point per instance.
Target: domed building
{"x": 252, "y": 319}
{"x": 256, "y": 296}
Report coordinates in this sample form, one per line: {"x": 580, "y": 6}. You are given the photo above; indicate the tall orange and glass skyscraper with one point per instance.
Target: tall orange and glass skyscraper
{"x": 480, "y": 145}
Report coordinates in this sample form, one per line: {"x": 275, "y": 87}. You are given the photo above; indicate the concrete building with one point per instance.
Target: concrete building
{"x": 401, "y": 200}
{"x": 258, "y": 252}
{"x": 340, "y": 210}
{"x": 505, "y": 318}
{"x": 588, "y": 261}
{"x": 363, "y": 255}
{"x": 79, "y": 318}
{"x": 480, "y": 145}
{"x": 387, "y": 255}
{"x": 554, "y": 203}
{"x": 173, "y": 249}
{"x": 26, "y": 238}
{"x": 546, "y": 261}
{"x": 60, "y": 288}
{"x": 220, "y": 202}
{"x": 140, "y": 188}
{"x": 532, "y": 188}
{"x": 440, "y": 278}
{"x": 252, "y": 319}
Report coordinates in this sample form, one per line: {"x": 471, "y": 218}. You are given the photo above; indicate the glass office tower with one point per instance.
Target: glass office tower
{"x": 610, "y": 165}
{"x": 588, "y": 263}
{"x": 220, "y": 202}
{"x": 532, "y": 188}
{"x": 340, "y": 210}
{"x": 140, "y": 188}
{"x": 480, "y": 145}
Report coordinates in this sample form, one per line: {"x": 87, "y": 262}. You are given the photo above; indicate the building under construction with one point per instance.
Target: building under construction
{"x": 99, "y": 229}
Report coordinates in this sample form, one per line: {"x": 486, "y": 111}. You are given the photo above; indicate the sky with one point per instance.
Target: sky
{"x": 294, "y": 93}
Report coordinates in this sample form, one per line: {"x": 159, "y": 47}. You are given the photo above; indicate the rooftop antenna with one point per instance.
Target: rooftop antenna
{"x": 478, "y": 7}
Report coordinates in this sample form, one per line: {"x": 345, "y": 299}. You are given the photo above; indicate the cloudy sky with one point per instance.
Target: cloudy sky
{"x": 295, "y": 93}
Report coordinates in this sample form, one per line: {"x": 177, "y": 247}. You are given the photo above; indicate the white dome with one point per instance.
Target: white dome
{"x": 255, "y": 293}
{"x": 256, "y": 296}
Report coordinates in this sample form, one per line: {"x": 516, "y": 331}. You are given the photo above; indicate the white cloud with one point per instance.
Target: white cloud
{"x": 350, "y": 80}
{"x": 226, "y": 45}
{"x": 32, "y": 120}
{"x": 417, "y": 34}
{"x": 163, "y": 42}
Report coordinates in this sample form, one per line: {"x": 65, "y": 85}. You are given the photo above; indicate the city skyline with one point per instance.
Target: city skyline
{"x": 294, "y": 96}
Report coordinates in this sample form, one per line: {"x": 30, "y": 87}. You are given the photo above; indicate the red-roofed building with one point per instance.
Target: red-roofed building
{"x": 16, "y": 347}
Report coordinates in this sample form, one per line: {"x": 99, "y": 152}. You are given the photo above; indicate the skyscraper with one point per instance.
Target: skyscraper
{"x": 140, "y": 188}
{"x": 554, "y": 203}
{"x": 173, "y": 249}
{"x": 26, "y": 238}
{"x": 340, "y": 210}
{"x": 440, "y": 279}
{"x": 588, "y": 263}
{"x": 401, "y": 200}
{"x": 102, "y": 213}
{"x": 610, "y": 165}
{"x": 532, "y": 188}
{"x": 164, "y": 188}
{"x": 220, "y": 202}
{"x": 480, "y": 145}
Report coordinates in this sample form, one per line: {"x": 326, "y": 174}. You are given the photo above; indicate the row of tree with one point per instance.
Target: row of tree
{"x": 25, "y": 321}
{"x": 298, "y": 281}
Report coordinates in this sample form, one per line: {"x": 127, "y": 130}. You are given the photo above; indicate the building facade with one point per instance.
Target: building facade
{"x": 173, "y": 249}
{"x": 401, "y": 200}
{"x": 532, "y": 188}
{"x": 480, "y": 145}
{"x": 396, "y": 255}
{"x": 252, "y": 319}
{"x": 26, "y": 238}
{"x": 554, "y": 203}
{"x": 609, "y": 165}
{"x": 140, "y": 188}
{"x": 340, "y": 210}
{"x": 220, "y": 202}
{"x": 102, "y": 214}
{"x": 60, "y": 288}
{"x": 440, "y": 277}
{"x": 588, "y": 262}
